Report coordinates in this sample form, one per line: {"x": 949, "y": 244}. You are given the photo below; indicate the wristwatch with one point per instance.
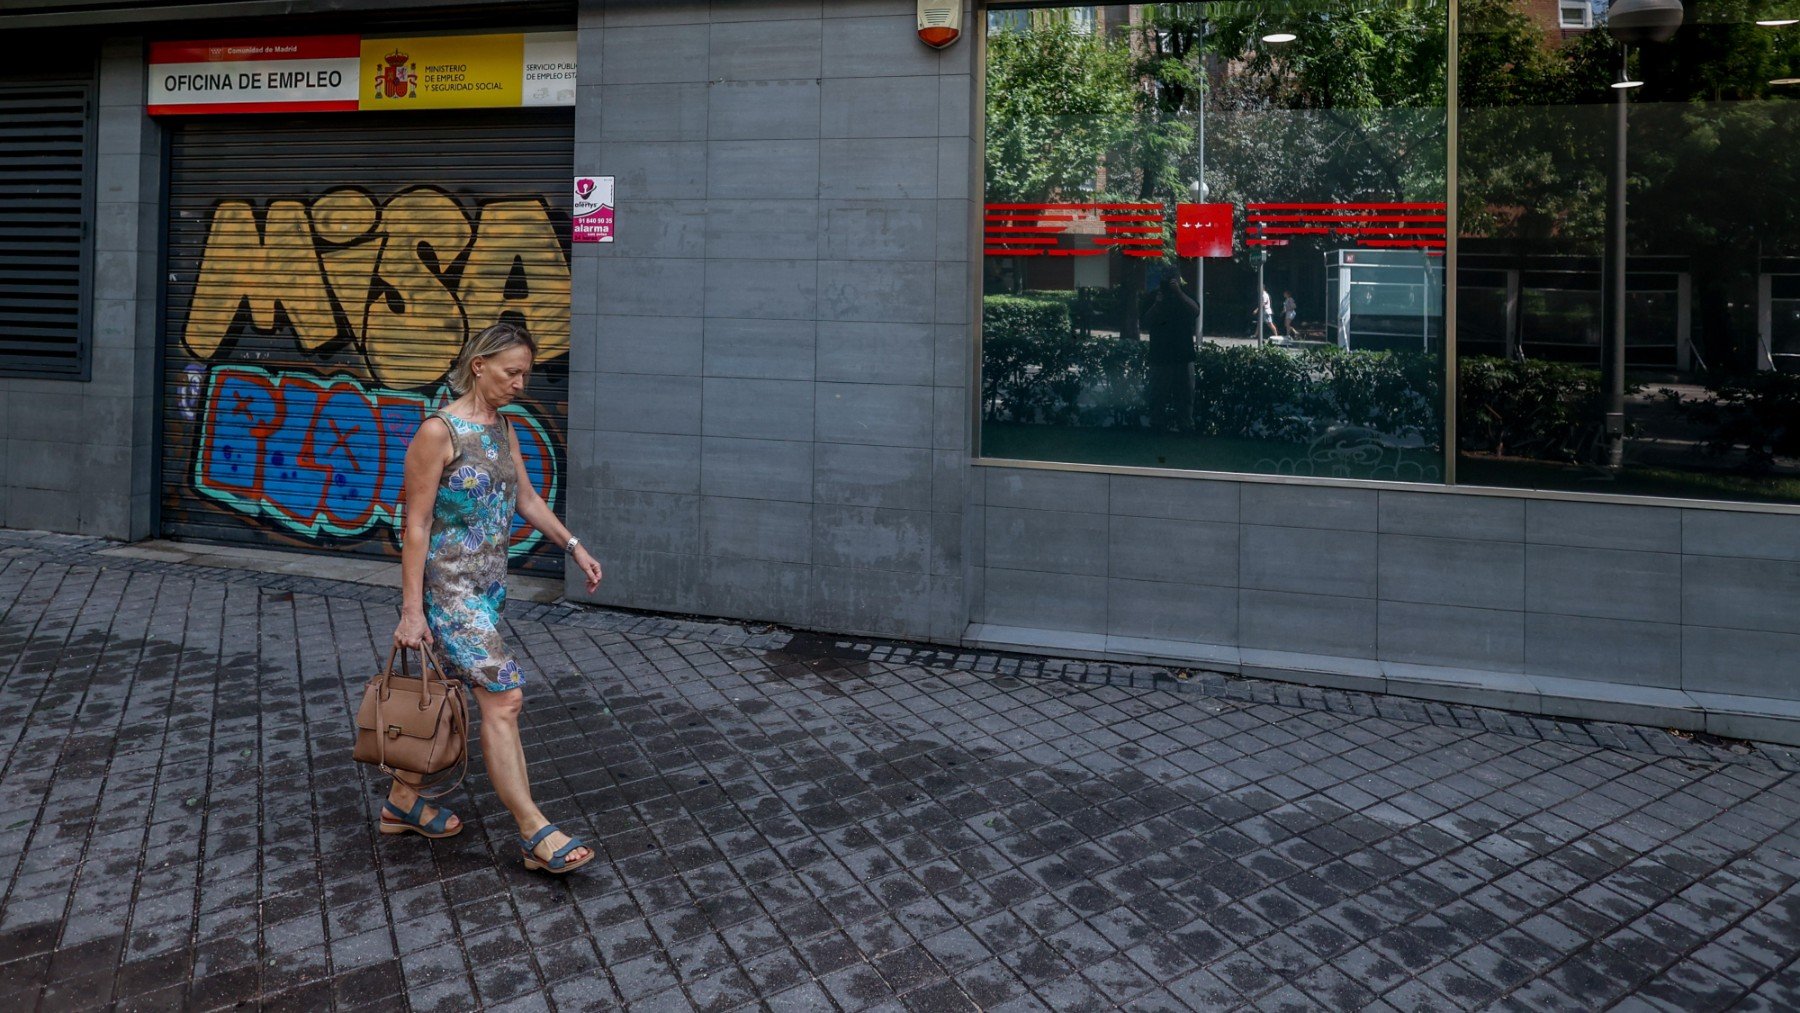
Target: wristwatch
{"x": 573, "y": 541}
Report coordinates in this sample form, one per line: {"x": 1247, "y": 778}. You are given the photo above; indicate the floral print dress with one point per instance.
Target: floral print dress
{"x": 465, "y": 568}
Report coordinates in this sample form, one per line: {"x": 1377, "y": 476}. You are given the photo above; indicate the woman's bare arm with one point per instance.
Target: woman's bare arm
{"x": 426, "y": 459}
{"x": 538, "y": 514}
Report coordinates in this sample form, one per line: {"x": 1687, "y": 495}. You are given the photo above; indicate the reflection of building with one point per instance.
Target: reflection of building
{"x": 1778, "y": 314}
{"x": 1085, "y": 20}
{"x": 1550, "y": 307}
{"x": 1386, "y": 300}
{"x": 1562, "y": 20}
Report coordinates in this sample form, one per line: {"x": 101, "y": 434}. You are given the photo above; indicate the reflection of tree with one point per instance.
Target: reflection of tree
{"x": 1076, "y": 115}
{"x": 1714, "y": 152}
{"x": 1522, "y": 175}
{"x": 1351, "y": 109}
{"x": 1058, "y": 102}
{"x": 1716, "y": 166}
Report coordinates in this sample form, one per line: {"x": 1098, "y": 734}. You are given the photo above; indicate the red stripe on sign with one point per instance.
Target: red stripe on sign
{"x": 1380, "y": 230}
{"x": 300, "y": 47}
{"x": 1343, "y": 207}
{"x": 1076, "y": 207}
{"x": 1345, "y": 216}
{"x": 215, "y": 108}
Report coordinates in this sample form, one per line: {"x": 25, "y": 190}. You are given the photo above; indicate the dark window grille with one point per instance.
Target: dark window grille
{"x": 46, "y": 193}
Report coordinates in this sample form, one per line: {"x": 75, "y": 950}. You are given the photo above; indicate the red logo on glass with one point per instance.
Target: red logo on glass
{"x": 1203, "y": 230}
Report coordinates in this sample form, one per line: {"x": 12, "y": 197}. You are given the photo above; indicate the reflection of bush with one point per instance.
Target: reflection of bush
{"x": 1272, "y": 393}
{"x": 1012, "y": 319}
{"x": 1036, "y": 370}
{"x": 1551, "y": 411}
{"x": 1757, "y": 415}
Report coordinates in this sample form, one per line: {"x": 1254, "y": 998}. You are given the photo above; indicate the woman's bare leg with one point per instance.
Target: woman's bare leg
{"x": 504, "y": 756}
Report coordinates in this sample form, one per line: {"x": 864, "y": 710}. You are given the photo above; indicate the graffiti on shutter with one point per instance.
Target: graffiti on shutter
{"x": 378, "y": 295}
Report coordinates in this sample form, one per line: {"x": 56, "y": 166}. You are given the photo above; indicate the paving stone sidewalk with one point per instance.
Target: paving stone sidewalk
{"x": 790, "y": 822}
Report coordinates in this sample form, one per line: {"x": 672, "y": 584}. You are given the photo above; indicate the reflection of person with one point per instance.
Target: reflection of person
{"x": 1289, "y": 310}
{"x": 465, "y": 478}
{"x": 1170, "y": 318}
{"x": 1265, "y": 317}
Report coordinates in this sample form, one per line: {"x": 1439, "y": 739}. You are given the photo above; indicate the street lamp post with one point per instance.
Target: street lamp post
{"x": 1198, "y": 190}
{"x": 1631, "y": 23}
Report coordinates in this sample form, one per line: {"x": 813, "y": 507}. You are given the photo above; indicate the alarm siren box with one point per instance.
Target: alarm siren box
{"x": 940, "y": 22}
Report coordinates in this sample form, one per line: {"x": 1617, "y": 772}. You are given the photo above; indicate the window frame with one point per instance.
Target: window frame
{"x": 1563, "y": 7}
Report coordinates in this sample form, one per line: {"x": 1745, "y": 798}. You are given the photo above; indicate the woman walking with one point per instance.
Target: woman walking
{"x": 465, "y": 478}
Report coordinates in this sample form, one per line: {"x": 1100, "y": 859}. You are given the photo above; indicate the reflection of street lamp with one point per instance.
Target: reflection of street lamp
{"x": 1632, "y": 23}
{"x": 1197, "y": 194}
{"x": 1197, "y": 189}
{"x": 1275, "y": 38}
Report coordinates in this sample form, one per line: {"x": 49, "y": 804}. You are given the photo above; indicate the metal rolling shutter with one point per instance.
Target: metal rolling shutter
{"x": 45, "y": 173}
{"x": 322, "y": 274}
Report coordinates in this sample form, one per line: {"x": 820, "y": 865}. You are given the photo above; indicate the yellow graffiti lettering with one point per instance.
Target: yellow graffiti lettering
{"x": 271, "y": 267}
{"x": 345, "y": 216}
{"x": 516, "y": 266}
{"x": 404, "y": 281}
{"x": 346, "y": 220}
{"x": 416, "y": 325}
{"x": 351, "y": 271}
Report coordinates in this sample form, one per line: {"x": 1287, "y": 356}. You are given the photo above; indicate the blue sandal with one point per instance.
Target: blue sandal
{"x": 396, "y": 821}
{"x": 559, "y": 863}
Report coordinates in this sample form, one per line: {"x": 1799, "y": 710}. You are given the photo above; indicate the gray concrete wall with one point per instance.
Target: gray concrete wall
{"x": 769, "y": 420}
{"x": 768, "y": 412}
{"x": 1660, "y": 615}
{"x": 79, "y": 455}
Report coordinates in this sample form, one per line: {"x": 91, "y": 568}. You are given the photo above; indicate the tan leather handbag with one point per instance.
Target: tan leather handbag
{"x": 414, "y": 729}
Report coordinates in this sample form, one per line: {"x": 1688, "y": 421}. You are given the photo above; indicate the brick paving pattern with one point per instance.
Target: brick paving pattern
{"x": 794, "y": 823}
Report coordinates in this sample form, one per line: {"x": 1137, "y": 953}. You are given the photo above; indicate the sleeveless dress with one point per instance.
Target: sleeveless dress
{"x": 465, "y": 568}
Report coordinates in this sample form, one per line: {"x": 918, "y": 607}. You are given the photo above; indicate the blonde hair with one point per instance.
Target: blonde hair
{"x": 490, "y": 341}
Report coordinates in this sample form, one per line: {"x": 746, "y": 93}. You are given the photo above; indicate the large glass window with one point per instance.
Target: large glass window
{"x": 1215, "y": 237}
{"x": 1666, "y": 366}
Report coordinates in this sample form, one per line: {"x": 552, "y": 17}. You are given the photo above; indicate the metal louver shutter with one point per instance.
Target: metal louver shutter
{"x": 45, "y": 158}
{"x": 323, "y": 273}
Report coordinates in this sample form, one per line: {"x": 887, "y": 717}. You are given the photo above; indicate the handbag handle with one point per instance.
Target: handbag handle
{"x": 428, "y": 663}
{"x": 425, "y": 791}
